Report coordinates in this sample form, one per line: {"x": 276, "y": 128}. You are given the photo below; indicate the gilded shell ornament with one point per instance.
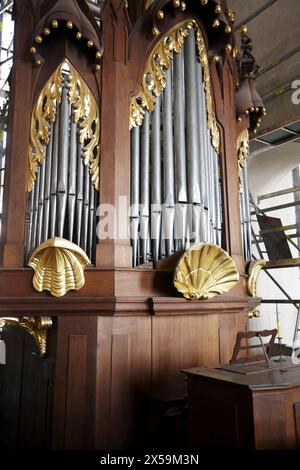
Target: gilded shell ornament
{"x": 204, "y": 271}
{"x": 58, "y": 266}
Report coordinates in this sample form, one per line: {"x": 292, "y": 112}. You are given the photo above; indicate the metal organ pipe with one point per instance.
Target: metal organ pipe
{"x": 145, "y": 186}
{"x": 79, "y": 190}
{"x": 168, "y": 165}
{"x": 156, "y": 176}
{"x": 72, "y": 178}
{"x": 63, "y": 161}
{"x": 179, "y": 152}
{"x": 47, "y": 193}
{"x": 135, "y": 187}
{"x": 173, "y": 160}
{"x": 54, "y": 171}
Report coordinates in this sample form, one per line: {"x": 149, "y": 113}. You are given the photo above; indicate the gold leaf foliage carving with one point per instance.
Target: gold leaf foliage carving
{"x": 58, "y": 266}
{"x": 204, "y": 271}
{"x": 85, "y": 113}
{"x": 36, "y": 327}
{"x": 243, "y": 147}
{"x": 154, "y": 76}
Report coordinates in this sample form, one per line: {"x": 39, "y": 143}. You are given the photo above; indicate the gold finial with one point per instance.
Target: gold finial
{"x": 230, "y": 14}
{"x": 239, "y": 119}
{"x": 38, "y": 62}
{"x": 255, "y": 131}
{"x": 47, "y": 31}
{"x": 38, "y": 39}
{"x": 176, "y": 3}
{"x": 69, "y": 24}
{"x": 90, "y": 44}
{"x": 252, "y": 109}
{"x": 55, "y": 24}
{"x": 79, "y": 35}
{"x": 216, "y": 58}
{"x": 98, "y": 55}
{"x": 155, "y": 31}
{"x": 227, "y": 29}
{"x": 216, "y": 23}
{"x": 204, "y": 2}
{"x": 160, "y": 15}
{"x": 228, "y": 48}
{"x": 182, "y": 6}
{"x": 32, "y": 50}
{"x": 244, "y": 30}
{"x": 218, "y": 9}
{"x": 247, "y": 111}
{"x": 97, "y": 67}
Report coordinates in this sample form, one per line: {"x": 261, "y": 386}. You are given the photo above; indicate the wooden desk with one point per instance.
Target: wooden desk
{"x": 255, "y": 411}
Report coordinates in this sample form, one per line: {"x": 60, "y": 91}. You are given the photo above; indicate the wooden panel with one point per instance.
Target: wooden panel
{"x": 182, "y": 342}
{"x": 229, "y": 326}
{"x": 76, "y": 392}
{"x": 297, "y": 422}
{"x": 10, "y": 387}
{"x": 25, "y": 393}
{"x": 219, "y": 415}
{"x": 124, "y": 371}
{"x": 275, "y": 410}
{"x": 75, "y": 383}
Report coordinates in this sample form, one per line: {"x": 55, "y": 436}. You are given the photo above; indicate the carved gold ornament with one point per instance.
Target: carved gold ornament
{"x": 85, "y": 113}
{"x": 204, "y": 271}
{"x": 253, "y": 272}
{"x": 154, "y": 77}
{"x": 58, "y": 267}
{"x": 36, "y": 327}
{"x": 243, "y": 147}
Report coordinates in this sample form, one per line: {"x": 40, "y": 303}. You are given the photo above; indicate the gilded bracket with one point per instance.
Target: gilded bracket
{"x": 254, "y": 270}
{"x": 36, "y": 327}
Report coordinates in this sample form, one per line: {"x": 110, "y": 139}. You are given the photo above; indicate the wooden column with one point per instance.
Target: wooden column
{"x": 115, "y": 140}
{"x": 18, "y": 137}
{"x": 226, "y": 114}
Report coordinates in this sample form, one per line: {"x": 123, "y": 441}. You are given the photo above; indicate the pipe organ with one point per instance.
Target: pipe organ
{"x": 175, "y": 171}
{"x": 149, "y": 103}
{"x": 63, "y": 186}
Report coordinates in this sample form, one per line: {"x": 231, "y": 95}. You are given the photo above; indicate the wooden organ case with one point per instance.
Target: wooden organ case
{"x": 121, "y": 112}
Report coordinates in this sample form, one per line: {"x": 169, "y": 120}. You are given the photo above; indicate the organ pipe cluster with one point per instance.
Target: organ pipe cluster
{"x": 175, "y": 177}
{"x": 62, "y": 201}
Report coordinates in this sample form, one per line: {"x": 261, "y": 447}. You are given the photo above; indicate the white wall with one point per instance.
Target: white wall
{"x": 268, "y": 172}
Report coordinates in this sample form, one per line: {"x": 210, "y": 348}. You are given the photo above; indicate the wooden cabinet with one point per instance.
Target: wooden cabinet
{"x": 232, "y": 411}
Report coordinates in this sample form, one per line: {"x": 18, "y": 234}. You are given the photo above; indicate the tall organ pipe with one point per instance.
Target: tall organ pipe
{"x": 79, "y": 189}
{"x": 145, "y": 185}
{"x": 54, "y": 171}
{"x": 72, "y": 178}
{"x": 192, "y": 148}
{"x": 135, "y": 187}
{"x": 156, "y": 176}
{"x": 47, "y": 192}
{"x": 63, "y": 161}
